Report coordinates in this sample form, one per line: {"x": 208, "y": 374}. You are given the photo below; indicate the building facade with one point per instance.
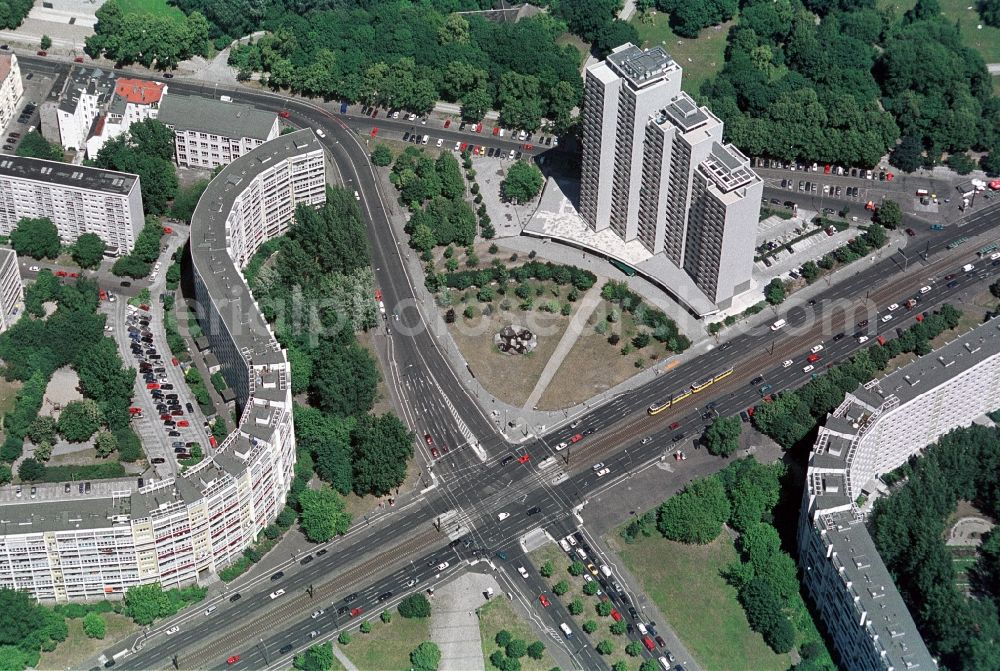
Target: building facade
{"x": 875, "y": 430}
{"x": 134, "y": 100}
{"x": 11, "y": 289}
{"x": 209, "y": 133}
{"x": 11, "y": 88}
{"x": 87, "y": 92}
{"x": 182, "y": 530}
{"x": 655, "y": 170}
{"x": 77, "y": 199}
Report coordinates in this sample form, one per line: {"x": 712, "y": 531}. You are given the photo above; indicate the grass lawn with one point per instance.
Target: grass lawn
{"x": 158, "y": 7}
{"x": 985, "y": 41}
{"x": 701, "y": 58}
{"x": 8, "y": 391}
{"x": 497, "y": 615}
{"x": 576, "y": 43}
{"x": 684, "y": 582}
{"x": 77, "y": 647}
{"x": 389, "y": 645}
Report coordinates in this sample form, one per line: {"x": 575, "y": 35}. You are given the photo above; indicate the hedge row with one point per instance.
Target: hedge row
{"x": 559, "y": 273}
{"x": 69, "y": 473}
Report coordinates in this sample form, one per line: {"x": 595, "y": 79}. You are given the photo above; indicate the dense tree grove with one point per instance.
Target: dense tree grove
{"x": 33, "y": 145}
{"x": 37, "y": 238}
{"x": 149, "y": 39}
{"x": 845, "y": 88}
{"x": 909, "y": 530}
{"x": 405, "y": 55}
{"x": 433, "y": 189}
{"x": 147, "y": 149}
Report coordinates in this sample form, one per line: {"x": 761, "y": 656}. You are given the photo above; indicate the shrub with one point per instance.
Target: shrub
{"x": 415, "y": 606}
{"x": 590, "y": 626}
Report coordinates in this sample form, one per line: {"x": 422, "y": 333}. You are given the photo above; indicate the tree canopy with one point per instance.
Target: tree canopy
{"x": 696, "y": 514}
{"x": 382, "y": 447}
{"x": 322, "y": 514}
{"x": 722, "y": 437}
{"x": 37, "y": 238}
{"x": 146, "y": 150}
{"x": 522, "y": 183}
{"x": 33, "y": 145}
{"x": 88, "y": 250}
{"x": 147, "y": 38}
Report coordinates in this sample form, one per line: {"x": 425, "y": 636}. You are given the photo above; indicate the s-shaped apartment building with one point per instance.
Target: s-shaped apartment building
{"x": 181, "y": 530}
{"x": 876, "y": 429}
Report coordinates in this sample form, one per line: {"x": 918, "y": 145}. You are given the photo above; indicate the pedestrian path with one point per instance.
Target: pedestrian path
{"x": 588, "y": 304}
{"x": 344, "y": 659}
{"x": 455, "y": 625}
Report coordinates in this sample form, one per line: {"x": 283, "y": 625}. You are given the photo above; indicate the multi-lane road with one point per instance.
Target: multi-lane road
{"x": 377, "y": 558}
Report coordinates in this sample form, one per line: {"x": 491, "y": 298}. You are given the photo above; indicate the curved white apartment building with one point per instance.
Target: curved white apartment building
{"x": 181, "y": 530}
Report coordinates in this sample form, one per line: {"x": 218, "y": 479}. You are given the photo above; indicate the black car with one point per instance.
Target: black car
{"x": 534, "y": 510}
{"x": 587, "y": 432}
{"x": 278, "y": 576}
{"x": 306, "y": 560}
{"x": 660, "y": 642}
{"x": 633, "y": 612}
{"x": 757, "y": 380}
{"x": 839, "y": 336}
{"x": 168, "y": 386}
{"x": 168, "y": 75}
{"x": 190, "y": 408}
{"x": 343, "y": 610}
{"x": 506, "y": 460}
{"x": 385, "y": 596}
{"x": 125, "y": 283}
{"x": 350, "y": 597}
{"x": 320, "y": 553}
{"x": 863, "y": 323}
{"x": 169, "y": 396}
{"x": 285, "y": 649}
{"x": 234, "y": 598}
{"x": 174, "y": 434}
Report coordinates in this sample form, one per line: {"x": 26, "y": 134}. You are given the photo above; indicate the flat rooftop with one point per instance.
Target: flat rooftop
{"x": 639, "y": 66}
{"x": 92, "y": 81}
{"x": 684, "y": 113}
{"x": 728, "y": 168}
{"x": 209, "y": 248}
{"x": 208, "y": 115}
{"x": 65, "y": 174}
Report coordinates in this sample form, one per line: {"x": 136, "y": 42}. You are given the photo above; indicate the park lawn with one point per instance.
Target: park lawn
{"x": 985, "y": 41}
{"x": 576, "y": 43}
{"x": 701, "y": 58}
{"x": 389, "y": 645}
{"x": 77, "y": 647}
{"x": 497, "y": 615}
{"x": 684, "y": 582}
{"x": 8, "y": 392}
{"x": 157, "y": 7}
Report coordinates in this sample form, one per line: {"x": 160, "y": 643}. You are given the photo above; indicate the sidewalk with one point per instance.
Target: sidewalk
{"x": 455, "y": 626}
{"x": 576, "y": 325}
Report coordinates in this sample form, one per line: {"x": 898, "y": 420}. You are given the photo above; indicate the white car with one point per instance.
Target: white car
{"x": 510, "y": 156}
{"x": 502, "y": 516}
{"x": 816, "y": 348}
{"x": 924, "y": 290}
{"x": 786, "y": 363}
{"x": 411, "y": 582}
{"x": 33, "y": 269}
{"x": 275, "y": 594}
{"x": 598, "y": 466}
{"x": 317, "y": 613}
{"x": 443, "y": 565}
{"x": 440, "y": 141}
{"x": 208, "y": 611}
{"x": 572, "y": 541}
{"x": 412, "y": 117}
{"x": 862, "y": 339}
{"x": 357, "y": 196}
{"x": 562, "y": 446}
{"x": 173, "y": 630}
{"x": 647, "y": 440}
{"x": 564, "y": 544}
{"x": 886, "y": 318}
{"x": 395, "y": 115}
{"x": 381, "y": 307}
{"x": 523, "y": 572}
{"x": 501, "y": 132}
{"x": 604, "y": 471}
{"x": 458, "y": 146}
{"x": 319, "y": 131}
{"x": 894, "y": 306}
{"x": 808, "y": 368}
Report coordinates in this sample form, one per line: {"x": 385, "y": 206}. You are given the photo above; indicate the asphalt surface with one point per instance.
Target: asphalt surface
{"x": 375, "y": 559}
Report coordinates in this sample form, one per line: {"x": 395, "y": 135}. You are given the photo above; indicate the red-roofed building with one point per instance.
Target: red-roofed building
{"x": 133, "y": 100}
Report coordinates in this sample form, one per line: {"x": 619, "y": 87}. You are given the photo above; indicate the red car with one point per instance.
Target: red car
{"x": 78, "y": 59}
{"x": 447, "y": 123}
{"x": 103, "y": 294}
{"x": 435, "y": 453}
{"x": 478, "y": 128}
{"x": 465, "y": 145}
{"x": 889, "y": 176}
{"x": 212, "y": 441}
{"x": 165, "y": 416}
{"x": 73, "y": 274}
{"x": 675, "y": 425}
{"x": 183, "y": 423}
{"x": 378, "y": 294}
{"x": 135, "y": 411}
{"x": 167, "y": 230}
{"x": 233, "y": 659}
{"x": 60, "y": 273}
{"x": 356, "y": 611}
{"x": 496, "y": 130}
{"x": 544, "y": 600}
{"x": 616, "y": 616}
{"x": 528, "y": 147}
{"x": 144, "y": 307}
{"x": 374, "y": 131}
{"x": 648, "y": 642}
{"x": 42, "y": 53}
{"x": 283, "y": 114}
{"x": 995, "y": 184}
{"x": 175, "y": 361}
{"x": 813, "y": 358}
{"x": 152, "y": 385}
{"x": 577, "y": 438}
{"x": 523, "y": 459}
{"x": 428, "y": 439}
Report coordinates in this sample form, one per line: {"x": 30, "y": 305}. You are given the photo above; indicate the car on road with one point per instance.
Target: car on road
{"x": 524, "y": 458}
{"x": 674, "y": 425}
{"x": 813, "y": 358}
{"x": 506, "y": 460}
{"x": 544, "y": 600}
{"x": 351, "y": 597}
{"x": 894, "y": 306}
{"x": 443, "y": 565}
{"x": 428, "y": 439}
{"x": 816, "y": 348}
{"x": 434, "y": 453}
{"x": 598, "y": 466}
{"x": 534, "y": 510}
{"x": 562, "y": 446}
{"x": 317, "y": 613}
{"x": 604, "y": 471}
{"x": 502, "y": 516}
{"x": 862, "y": 339}
{"x": 886, "y": 318}
{"x": 523, "y": 571}
{"x": 285, "y": 649}
{"x": 648, "y": 642}
{"x": 910, "y": 232}
{"x": 357, "y": 196}
{"x": 356, "y": 611}
{"x": 808, "y": 368}
{"x": 384, "y": 596}
{"x": 786, "y": 363}
{"x": 592, "y": 569}
{"x": 276, "y": 593}
{"x": 233, "y": 659}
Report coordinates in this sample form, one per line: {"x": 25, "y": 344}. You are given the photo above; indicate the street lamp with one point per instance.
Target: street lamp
{"x": 263, "y": 649}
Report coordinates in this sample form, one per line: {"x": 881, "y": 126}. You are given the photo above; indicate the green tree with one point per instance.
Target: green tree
{"x": 13, "y": 658}
{"x": 93, "y": 625}
{"x": 382, "y": 155}
{"x": 633, "y": 648}
{"x": 620, "y": 665}
{"x": 590, "y": 588}
{"x": 37, "y": 238}
{"x": 889, "y": 214}
{"x": 522, "y": 183}
{"x": 547, "y": 569}
{"x": 605, "y": 647}
{"x": 603, "y": 608}
{"x": 648, "y": 665}
{"x": 775, "y": 292}
{"x": 145, "y": 603}
{"x": 315, "y": 658}
{"x": 79, "y": 420}
{"x": 42, "y": 430}
{"x": 323, "y": 515}
{"x": 45, "y": 43}
{"x": 30, "y": 470}
{"x": 426, "y": 657}
{"x": 696, "y": 514}
{"x": 386, "y": 617}
{"x": 536, "y": 650}
{"x": 20, "y": 617}
{"x": 382, "y": 447}
{"x": 516, "y": 648}
{"x": 88, "y": 250}
{"x": 328, "y": 439}
{"x": 33, "y": 145}
{"x": 105, "y": 444}
{"x": 503, "y": 637}
{"x": 343, "y": 380}
{"x": 415, "y": 606}
{"x": 575, "y": 606}
{"x": 989, "y": 12}
{"x": 344, "y": 638}
{"x": 560, "y": 588}
{"x": 590, "y": 626}
{"x": 366, "y": 627}
{"x": 722, "y": 437}
{"x": 186, "y": 199}
{"x": 576, "y": 568}
{"x": 618, "y": 628}
{"x": 907, "y": 154}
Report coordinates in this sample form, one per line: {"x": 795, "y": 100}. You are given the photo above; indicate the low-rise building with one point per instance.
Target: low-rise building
{"x": 11, "y": 289}
{"x": 209, "y": 133}
{"x": 876, "y": 429}
{"x": 134, "y": 100}
{"x": 11, "y": 88}
{"x": 84, "y": 96}
{"x": 76, "y": 198}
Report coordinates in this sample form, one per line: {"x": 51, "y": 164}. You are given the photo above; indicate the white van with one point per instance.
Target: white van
{"x": 605, "y": 570}
{"x": 968, "y": 267}
{"x": 778, "y": 324}
{"x": 664, "y": 663}
{"x": 427, "y": 138}
{"x": 567, "y": 632}
{"x": 226, "y": 99}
